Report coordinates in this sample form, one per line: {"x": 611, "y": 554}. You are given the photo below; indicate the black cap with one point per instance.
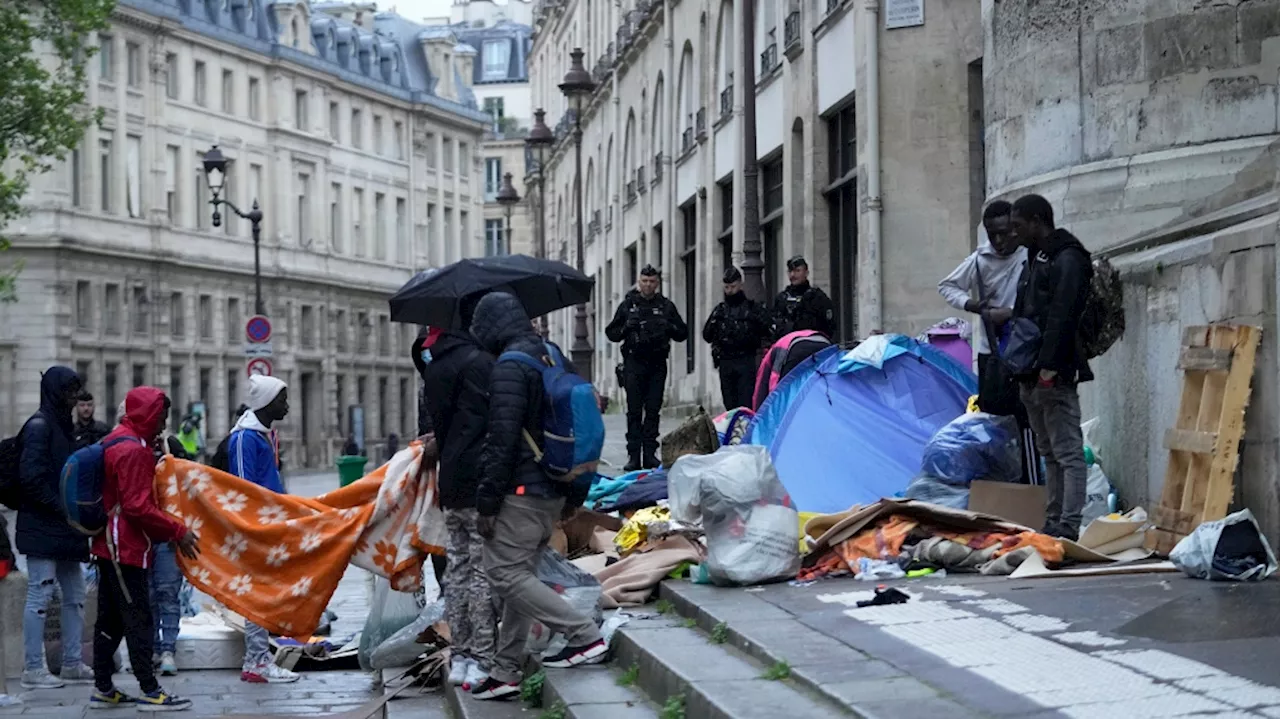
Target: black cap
{"x": 650, "y": 271}
{"x": 797, "y": 262}
{"x": 731, "y": 275}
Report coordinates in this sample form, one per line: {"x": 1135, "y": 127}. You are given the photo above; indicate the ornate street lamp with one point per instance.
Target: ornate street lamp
{"x": 577, "y": 87}
{"x": 539, "y": 139}
{"x": 508, "y": 198}
{"x": 215, "y": 173}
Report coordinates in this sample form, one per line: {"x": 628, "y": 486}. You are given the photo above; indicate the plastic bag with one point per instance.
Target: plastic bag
{"x": 935, "y": 491}
{"x": 751, "y": 527}
{"x": 581, "y": 590}
{"x": 1098, "y": 489}
{"x": 402, "y": 648}
{"x": 389, "y": 612}
{"x": 974, "y": 446}
{"x": 1231, "y": 549}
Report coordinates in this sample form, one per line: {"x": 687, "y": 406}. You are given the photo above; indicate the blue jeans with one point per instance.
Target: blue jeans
{"x": 166, "y": 583}
{"x": 41, "y": 575}
{"x": 257, "y": 646}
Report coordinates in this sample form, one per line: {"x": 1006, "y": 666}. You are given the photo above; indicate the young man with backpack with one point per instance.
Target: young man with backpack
{"x": 455, "y": 372}
{"x": 253, "y": 455}
{"x": 518, "y": 499}
{"x": 124, "y": 554}
{"x": 53, "y": 548}
{"x": 1053, "y": 296}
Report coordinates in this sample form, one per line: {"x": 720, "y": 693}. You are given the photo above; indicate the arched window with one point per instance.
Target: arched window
{"x": 687, "y": 102}
{"x": 629, "y": 156}
{"x": 725, "y": 52}
{"x": 608, "y": 184}
{"x": 658, "y": 122}
{"x": 295, "y": 34}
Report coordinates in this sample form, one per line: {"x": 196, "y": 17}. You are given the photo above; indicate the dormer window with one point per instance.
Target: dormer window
{"x": 497, "y": 60}
{"x": 296, "y": 38}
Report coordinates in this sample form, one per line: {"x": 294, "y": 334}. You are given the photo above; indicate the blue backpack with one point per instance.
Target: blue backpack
{"x": 572, "y": 426}
{"x": 81, "y": 487}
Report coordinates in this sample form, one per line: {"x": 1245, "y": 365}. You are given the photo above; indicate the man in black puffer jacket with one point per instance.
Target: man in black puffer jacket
{"x": 519, "y": 503}
{"x": 53, "y": 548}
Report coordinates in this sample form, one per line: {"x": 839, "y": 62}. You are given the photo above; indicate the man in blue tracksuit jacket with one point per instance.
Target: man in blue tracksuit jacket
{"x": 252, "y": 454}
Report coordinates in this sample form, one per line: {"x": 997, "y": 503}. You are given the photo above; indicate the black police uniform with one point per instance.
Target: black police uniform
{"x": 803, "y": 307}
{"x": 736, "y": 330}
{"x": 646, "y": 328}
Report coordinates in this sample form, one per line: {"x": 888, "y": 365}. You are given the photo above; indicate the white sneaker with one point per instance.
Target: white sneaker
{"x": 475, "y": 676}
{"x": 77, "y": 675}
{"x": 269, "y": 673}
{"x": 458, "y": 671}
{"x": 168, "y": 665}
{"x": 41, "y": 679}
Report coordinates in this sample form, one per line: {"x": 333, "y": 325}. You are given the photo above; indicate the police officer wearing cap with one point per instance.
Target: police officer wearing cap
{"x": 802, "y": 306}
{"x": 736, "y": 330}
{"x": 645, "y": 324}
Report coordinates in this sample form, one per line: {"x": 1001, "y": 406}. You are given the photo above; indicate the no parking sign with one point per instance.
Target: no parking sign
{"x": 259, "y": 365}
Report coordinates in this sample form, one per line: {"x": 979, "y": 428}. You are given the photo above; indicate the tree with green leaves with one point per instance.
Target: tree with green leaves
{"x": 43, "y": 54}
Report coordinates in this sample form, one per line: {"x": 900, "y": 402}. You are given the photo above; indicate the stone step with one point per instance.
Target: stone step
{"x": 825, "y": 668}
{"x": 594, "y": 692}
{"x": 462, "y": 706}
{"x": 680, "y": 667}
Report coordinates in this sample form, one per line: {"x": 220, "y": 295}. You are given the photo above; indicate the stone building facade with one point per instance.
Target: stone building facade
{"x": 663, "y": 156}
{"x": 1154, "y": 129}
{"x": 357, "y": 132}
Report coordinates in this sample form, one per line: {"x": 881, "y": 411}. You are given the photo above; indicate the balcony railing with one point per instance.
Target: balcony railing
{"x": 832, "y": 5}
{"x": 641, "y": 186}
{"x": 769, "y": 59}
{"x": 595, "y": 219}
{"x": 657, "y": 168}
{"x": 726, "y": 101}
{"x": 791, "y": 30}
{"x": 686, "y": 140}
{"x": 631, "y": 192}
{"x": 700, "y": 123}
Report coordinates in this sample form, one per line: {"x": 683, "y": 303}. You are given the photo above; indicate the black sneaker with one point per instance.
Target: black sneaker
{"x": 114, "y": 699}
{"x": 161, "y": 701}
{"x": 492, "y": 689}
{"x": 577, "y": 656}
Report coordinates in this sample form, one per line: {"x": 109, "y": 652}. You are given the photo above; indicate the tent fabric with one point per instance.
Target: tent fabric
{"x": 853, "y": 428}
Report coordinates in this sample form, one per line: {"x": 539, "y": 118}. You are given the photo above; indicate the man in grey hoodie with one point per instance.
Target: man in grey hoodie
{"x": 986, "y": 284}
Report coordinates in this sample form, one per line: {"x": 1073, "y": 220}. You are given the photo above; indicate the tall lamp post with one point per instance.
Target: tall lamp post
{"x": 215, "y": 173}
{"x": 539, "y": 139}
{"x": 577, "y": 87}
{"x": 508, "y": 198}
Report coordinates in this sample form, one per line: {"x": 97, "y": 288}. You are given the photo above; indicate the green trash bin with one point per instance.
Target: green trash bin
{"x": 350, "y": 469}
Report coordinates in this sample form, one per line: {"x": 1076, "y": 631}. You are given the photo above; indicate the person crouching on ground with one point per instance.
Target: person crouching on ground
{"x": 123, "y": 554}
{"x": 252, "y": 455}
{"x": 519, "y": 503}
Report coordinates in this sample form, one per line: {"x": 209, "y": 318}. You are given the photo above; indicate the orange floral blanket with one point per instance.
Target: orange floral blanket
{"x": 276, "y": 559}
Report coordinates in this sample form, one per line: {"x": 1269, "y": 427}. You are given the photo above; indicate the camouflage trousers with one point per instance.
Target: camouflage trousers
{"x": 468, "y": 603}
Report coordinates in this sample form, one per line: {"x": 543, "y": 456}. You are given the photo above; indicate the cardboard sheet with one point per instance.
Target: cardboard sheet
{"x": 1034, "y": 568}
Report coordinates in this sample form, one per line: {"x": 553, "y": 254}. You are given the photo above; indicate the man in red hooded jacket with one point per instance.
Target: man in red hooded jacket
{"x": 123, "y": 553}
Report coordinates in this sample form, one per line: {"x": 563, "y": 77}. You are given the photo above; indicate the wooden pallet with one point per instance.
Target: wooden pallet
{"x": 1204, "y": 444}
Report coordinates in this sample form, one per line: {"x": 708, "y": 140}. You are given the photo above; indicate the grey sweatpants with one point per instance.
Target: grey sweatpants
{"x": 1054, "y": 414}
{"x": 510, "y": 559}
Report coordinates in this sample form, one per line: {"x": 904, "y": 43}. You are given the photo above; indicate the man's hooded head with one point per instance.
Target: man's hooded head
{"x": 267, "y": 397}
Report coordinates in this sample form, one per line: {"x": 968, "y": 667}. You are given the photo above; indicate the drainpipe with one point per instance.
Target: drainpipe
{"x": 668, "y": 146}
{"x": 873, "y": 306}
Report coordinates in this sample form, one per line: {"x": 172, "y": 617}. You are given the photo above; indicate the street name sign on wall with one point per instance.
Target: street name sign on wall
{"x": 903, "y": 13}
{"x": 259, "y": 349}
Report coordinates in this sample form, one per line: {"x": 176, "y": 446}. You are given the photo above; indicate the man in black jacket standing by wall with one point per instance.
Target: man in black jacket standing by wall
{"x": 736, "y": 330}
{"x": 1052, "y": 293}
{"x": 801, "y": 306}
{"x": 519, "y": 503}
{"x": 455, "y": 372}
{"x": 646, "y": 323}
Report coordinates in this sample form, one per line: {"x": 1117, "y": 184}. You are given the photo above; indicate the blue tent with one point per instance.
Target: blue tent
{"x": 850, "y": 427}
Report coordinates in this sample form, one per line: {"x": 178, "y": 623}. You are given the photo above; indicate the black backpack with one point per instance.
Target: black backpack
{"x": 220, "y": 461}
{"x": 10, "y": 458}
{"x": 1102, "y": 323}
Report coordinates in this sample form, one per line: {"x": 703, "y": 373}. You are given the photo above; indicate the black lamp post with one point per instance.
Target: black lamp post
{"x": 508, "y": 198}
{"x": 577, "y": 86}
{"x": 215, "y": 172}
{"x": 539, "y": 139}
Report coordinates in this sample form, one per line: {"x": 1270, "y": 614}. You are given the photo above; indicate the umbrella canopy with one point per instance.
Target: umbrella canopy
{"x": 432, "y": 296}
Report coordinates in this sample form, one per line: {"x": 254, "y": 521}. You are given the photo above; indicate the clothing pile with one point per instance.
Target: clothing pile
{"x": 276, "y": 559}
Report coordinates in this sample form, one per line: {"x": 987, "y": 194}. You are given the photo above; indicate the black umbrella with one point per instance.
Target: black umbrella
{"x": 432, "y": 296}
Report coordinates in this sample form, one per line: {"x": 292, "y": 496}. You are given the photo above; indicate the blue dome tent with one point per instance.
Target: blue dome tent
{"x": 850, "y": 427}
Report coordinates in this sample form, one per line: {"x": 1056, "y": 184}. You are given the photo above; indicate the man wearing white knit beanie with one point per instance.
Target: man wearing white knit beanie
{"x": 252, "y": 454}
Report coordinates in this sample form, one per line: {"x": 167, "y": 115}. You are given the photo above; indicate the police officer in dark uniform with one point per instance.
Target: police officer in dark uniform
{"x": 736, "y": 330}
{"x": 802, "y": 306}
{"x": 645, "y": 324}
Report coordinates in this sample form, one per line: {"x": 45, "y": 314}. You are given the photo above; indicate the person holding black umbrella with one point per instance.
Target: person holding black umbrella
{"x": 646, "y": 323}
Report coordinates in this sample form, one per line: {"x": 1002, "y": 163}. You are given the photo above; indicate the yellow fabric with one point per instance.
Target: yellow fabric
{"x": 973, "y": 405}
{"x": 636, "y": 529}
